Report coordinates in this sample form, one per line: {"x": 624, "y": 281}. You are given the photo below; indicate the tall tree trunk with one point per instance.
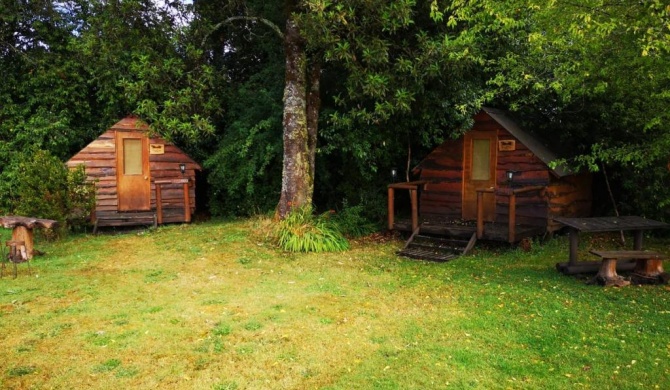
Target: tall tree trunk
{"x": 313, "y": 107}
{"x": 297, "y": 176}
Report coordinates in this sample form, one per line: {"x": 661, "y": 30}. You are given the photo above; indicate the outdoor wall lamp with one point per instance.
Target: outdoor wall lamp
{"x": 394, "y": 174}
{"x": 182, "y": 168}
{"x": 510, "y": 176}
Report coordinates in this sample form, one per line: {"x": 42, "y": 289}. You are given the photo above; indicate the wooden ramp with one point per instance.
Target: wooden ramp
{"x": 439, "y": 248}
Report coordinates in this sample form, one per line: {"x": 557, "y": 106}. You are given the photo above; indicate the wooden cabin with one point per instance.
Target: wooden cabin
{"x": 466, "y": 180}
{"x": 140, "y": 180}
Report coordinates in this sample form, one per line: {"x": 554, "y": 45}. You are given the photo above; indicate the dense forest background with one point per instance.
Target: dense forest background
{"x": 393, "y": 78}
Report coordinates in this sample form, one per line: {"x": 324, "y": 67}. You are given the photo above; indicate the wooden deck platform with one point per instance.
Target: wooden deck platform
{"x": 147, "y": 218}
{"x": 492, "y": 231}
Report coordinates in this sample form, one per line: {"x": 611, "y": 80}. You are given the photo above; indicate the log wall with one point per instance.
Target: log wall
{"x": 443, "y": 169}
{"x": 99, "y": 160}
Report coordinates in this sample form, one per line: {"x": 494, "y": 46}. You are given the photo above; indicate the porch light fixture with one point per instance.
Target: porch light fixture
{"x": 182, "y": 168}
{"x": 394, "y": 174}
{"x": 510, "y": 176}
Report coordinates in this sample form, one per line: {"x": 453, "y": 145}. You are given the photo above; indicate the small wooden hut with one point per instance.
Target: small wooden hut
{"x": 139, "y": 179}
{"x": 497, "y": 176}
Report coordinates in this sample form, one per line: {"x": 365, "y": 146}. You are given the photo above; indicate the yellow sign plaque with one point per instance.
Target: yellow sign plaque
{"x": 507, "y": 145}
{"x": 156, "y": 149}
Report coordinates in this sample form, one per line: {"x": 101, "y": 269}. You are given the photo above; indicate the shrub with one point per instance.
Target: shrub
{"x": 42, "y": 187}
{"x": 352, "y": 222}
{"x": 81, "y": 198}
{"x": 302, "y": 231}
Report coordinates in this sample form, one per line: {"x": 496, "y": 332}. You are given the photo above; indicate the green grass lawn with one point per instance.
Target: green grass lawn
{"x": 213, "y": 306}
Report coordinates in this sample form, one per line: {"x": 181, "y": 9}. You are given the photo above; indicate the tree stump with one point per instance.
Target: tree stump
{"x": 22, "y": 233}
{"x": 22, "y": 230}
{"x": 607, "y": 275}
{"x": 649, "y": 271}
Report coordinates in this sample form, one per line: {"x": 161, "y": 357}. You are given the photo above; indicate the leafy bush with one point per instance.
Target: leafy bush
{"x": 81, "y": 198}
{"x": 39, "y": 185}
{"x": 302, "y": 231}
{"x": 351, "y": 221}
{"x": 42, "y": 187}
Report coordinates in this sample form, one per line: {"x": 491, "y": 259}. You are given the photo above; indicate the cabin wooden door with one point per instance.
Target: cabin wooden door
{"x": 133, "y": 184}
{"x": 479, "y": 172}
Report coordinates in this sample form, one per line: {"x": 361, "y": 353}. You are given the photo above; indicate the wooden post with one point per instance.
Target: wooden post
{"x": 415, "y": 208}
{"x": 187, "y": 204}
{"x": 637, "y": 240}
{"x": 574, "y": 244}
{"x": 480, "y": 214}
{"x": 391, "y": 207}
{"x": 511, "y": 223}
{"x": 159, "y": 204}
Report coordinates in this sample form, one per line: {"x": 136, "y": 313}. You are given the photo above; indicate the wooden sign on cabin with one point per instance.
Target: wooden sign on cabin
{"x": 508, "y": 145}
{"x": 157, "y": 149}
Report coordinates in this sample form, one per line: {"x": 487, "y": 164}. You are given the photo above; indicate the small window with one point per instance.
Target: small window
{"x": 481, "y": 159}
{"x": 132, "y": 156}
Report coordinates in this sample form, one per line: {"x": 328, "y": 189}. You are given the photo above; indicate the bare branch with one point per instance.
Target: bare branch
{"x": 267, "y": 22}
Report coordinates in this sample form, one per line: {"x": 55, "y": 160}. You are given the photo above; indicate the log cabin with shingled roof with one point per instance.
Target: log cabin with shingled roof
{"x": 496, "y": 182}
{"x": 140, "y": 179}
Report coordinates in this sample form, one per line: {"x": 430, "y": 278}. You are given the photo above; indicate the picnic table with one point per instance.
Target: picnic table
{"x": 637, "y": 225}
{"x": 22, "y": 233}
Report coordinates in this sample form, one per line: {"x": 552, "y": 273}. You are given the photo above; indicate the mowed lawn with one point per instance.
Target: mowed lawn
{"x": 214, "y": 306}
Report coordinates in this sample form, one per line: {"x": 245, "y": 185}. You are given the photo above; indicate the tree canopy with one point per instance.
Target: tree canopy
{"x": 337, "y": 92}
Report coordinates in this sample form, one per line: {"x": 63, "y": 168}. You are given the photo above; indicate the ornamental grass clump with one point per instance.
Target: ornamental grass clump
{"x": 302, "y": 231}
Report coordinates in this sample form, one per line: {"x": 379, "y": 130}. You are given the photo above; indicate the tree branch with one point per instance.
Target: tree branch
{"x": 231, "y": 19}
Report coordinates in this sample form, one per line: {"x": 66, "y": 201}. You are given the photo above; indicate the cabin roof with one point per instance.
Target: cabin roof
{"x": 133, "y": 123}
{"x": 533, "y": 143}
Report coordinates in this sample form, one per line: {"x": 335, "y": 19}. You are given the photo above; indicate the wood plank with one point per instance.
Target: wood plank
{"x": 627, "y": 254}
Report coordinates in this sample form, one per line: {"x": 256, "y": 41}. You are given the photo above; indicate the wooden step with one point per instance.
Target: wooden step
{"x": 423, "y": 254}
{"x": 436, "y": 248}
{"x": 442, "y": 241}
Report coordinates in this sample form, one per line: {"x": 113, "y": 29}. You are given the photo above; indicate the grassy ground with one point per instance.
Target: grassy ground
{"x": 211, "y": 306}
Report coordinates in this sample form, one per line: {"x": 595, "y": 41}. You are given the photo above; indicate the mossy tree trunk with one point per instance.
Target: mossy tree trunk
{"x": 301, "y": 111}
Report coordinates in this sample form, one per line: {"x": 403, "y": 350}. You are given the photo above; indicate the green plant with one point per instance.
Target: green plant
{"x": 42, "y": 190}
{"x": 352, "y": 222}
{"x": 39, "y": 185}
{"x": 81, "y": 197}
{"x": 302, "y": 231}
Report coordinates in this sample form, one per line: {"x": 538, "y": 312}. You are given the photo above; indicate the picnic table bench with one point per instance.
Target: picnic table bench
{"x": 635, "y": 224}
{"x": 648, "y": 267}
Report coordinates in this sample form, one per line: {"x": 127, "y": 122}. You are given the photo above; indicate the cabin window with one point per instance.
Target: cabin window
{"x": 481, "y": 155}
{"x": 132, "y": 156}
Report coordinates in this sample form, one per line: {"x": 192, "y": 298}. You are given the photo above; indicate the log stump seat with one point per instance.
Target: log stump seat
{"x": 648, "y": 268}
{"x": 22, "y": 231}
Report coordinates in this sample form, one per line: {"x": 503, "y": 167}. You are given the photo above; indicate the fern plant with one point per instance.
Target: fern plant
{"x": 302, "y": 231}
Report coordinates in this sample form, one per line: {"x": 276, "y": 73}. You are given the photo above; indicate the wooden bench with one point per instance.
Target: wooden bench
{"x": 648, "y": 268}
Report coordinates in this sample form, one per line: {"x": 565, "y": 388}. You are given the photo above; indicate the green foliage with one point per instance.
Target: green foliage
{"x": 81, "y": 198}
{"x": 352, "y": 220}
{"x": 245, "y": 166}
{"x": 404, "y": 79}
{"x": 42, "y": 190}
{"x": 302, "y": 231}
{"x": 39, "y": 185}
